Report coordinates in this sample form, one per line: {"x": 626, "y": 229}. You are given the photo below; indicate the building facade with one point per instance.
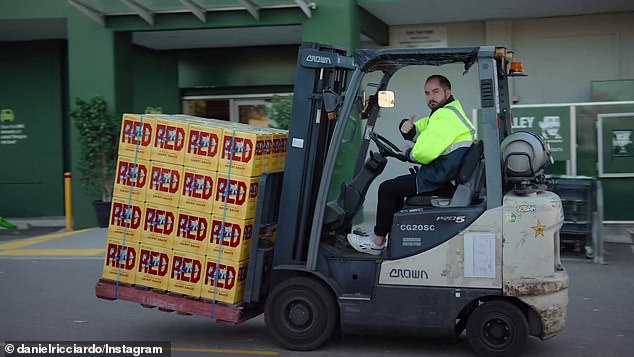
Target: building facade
{"x": 226, "y": 59}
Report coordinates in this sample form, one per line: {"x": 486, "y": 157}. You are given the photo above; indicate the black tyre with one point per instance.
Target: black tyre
{"x": 301, "y": 314}
{"x": 497, "y": 328}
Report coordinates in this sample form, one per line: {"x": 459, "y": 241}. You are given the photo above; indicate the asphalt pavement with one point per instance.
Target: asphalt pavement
{"x": 47, "y": 292}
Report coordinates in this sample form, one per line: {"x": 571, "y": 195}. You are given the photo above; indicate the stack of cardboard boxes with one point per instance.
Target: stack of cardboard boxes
{"x": 184, "y": 203}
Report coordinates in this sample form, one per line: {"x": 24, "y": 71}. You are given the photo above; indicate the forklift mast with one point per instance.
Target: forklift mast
{"x": 322, "y": 75}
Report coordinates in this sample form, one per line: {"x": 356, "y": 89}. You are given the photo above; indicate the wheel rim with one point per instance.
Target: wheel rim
{"x": 498, "y": 332}
{"x": 299, "y": 315}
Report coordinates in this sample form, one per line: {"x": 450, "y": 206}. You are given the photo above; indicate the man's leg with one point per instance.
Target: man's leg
{"x": 390, "y": 200}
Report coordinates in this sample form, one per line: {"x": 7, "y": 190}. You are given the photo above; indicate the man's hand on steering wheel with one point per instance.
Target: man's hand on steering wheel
{"x": 387, "y": 148}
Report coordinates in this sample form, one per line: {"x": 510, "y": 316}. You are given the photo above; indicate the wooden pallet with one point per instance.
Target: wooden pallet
{"x": 168, "y": 302}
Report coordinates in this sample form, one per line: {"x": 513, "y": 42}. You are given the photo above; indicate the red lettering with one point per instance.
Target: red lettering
{"x": 186, "y": 269}
{"x": 133, "y": 134}
{"x": 164, "y": 180}
{"x": 220, "y": 275}
{"x": 124, "y": 215}
{"x": 198, "y": 186}
{"x": 159, "y": 221}
{"x": 276, "y": 145}
{"x": 191, "y": 227}
{"x": 153, "y": 263}
{"x": 169, "y": 137}
{"x": 237, "y": 149}
{"x": 229, "y": 234}
{"x": 120, "y": 257}
{"x": 202, "y": 143}
{"x": 129, "y": 174}
{"x": 231, "y": 191}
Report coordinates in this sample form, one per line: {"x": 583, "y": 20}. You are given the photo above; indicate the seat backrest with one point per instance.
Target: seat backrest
{"x": 470, "y": 162}
{"x": 469, "y": 181}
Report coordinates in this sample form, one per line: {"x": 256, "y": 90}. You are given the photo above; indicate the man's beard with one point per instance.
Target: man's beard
{"x": 437, "y": 104}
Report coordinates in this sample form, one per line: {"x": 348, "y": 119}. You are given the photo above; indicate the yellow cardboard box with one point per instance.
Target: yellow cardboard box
{"x": 136, "y": 136}
{"x": 198, "y": 190}
{"x": 131, "y": 178}
{"x": 165, "y": 183}
{"x": 242, "y": 152}
{"x": 203, "y": 143}
{"x": 153, "y": 267}
{"x": 230, "y": 238}
{"x": 193, "y": 232}
{"x": 223, "y": 282}
{"x": 120, "y": 261}
{"x": 126, "y": 217}
{"x": 159, "y": 225}
{"x": 186, "y": 273}
{"x": 169, "y": 140}
{"x": 236, "y": 196}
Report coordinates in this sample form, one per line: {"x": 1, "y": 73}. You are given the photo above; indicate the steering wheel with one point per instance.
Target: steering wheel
{"x": 386, "y": 147}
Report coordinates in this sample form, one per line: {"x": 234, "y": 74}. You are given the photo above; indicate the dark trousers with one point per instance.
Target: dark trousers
{"x": 391, "y": 196}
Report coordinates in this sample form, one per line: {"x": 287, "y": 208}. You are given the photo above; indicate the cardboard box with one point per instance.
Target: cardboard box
{"x": 131, "y": 179}
{"x": 169, "y": 140}
{"x": 186, "y": 273}
{"x": 203, "y": 143}
{"x": 236, "y": 196}
{"x": 193, "y": 232}
{"x": 126, "y": 217}
{"x": 136, "y": 136}
{"x": 165, "y": 183}
{"x": 197, "y": 190}
{"x": 153, "y": 267}
{"x": 159, "y": 225}
{"x": 283, "y": 149}
{"x": 230, "y": 238}
{"x": 120, "y": 261}
{"x": 223, "y": 282}
{"x": 242, "y": 152}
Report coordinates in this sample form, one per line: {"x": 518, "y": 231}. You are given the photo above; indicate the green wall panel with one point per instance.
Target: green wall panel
{"x": 33, "y": 9}
{"x": 155, "y": 81}
{"x": 253, "y": 66}
{"x": 100, "y": 63}
{"x": 31, "y": 149}
{"x": 336, "y": 22}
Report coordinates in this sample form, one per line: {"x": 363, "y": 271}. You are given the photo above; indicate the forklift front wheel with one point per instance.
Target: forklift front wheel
{"x": 301, "y": 314}
{"x": 497, "y": 328}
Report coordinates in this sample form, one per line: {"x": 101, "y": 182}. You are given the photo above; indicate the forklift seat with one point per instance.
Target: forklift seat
{"x": 468, "y": 183}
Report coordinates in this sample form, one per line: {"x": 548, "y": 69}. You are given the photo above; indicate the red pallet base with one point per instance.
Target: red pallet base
{"x": 232, "y": 314}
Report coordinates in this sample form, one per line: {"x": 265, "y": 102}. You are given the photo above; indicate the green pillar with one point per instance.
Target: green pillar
{"x": 334, "y": 22}
{"x": 99, "y": 62}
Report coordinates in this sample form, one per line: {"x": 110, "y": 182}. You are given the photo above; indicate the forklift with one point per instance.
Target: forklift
{"x": 480, "y": 255}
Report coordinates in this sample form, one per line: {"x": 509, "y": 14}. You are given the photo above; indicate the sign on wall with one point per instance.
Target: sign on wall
{"x": 553, "y": 123}
{"x": 418, "y": 37}
{"x": 616, "y": 151}
{"x": 11, "y": 132}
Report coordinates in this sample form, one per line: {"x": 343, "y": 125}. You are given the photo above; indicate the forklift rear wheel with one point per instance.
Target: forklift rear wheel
{"x": 301, "y": 314}
{"x": 497, "y": 328}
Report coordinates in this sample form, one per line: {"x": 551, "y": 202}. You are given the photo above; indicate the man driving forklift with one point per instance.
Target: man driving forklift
{"x": 443, "y": 139}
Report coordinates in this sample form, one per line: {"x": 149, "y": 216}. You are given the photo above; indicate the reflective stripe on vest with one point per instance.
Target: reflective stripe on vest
{"x": 464, "y": 120}
{"x": 455, "y": 146}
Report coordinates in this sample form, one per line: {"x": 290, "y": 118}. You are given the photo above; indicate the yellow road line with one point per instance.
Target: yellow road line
{"x": 218, "y": 350}
{"x": 35, "y": 240}
{"x": 51, "y": 252}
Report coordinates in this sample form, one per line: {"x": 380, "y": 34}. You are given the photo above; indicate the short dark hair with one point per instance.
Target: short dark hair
{"x": 444, "y": 82}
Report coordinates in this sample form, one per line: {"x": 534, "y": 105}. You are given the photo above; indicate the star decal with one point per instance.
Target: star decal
{"x": 539, "y": 229}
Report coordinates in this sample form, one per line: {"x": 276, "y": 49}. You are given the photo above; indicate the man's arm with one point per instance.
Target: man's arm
{"x": 406, "y": 126}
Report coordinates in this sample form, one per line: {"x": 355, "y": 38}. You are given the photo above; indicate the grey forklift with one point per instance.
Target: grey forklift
{"x": 480, "y": 255}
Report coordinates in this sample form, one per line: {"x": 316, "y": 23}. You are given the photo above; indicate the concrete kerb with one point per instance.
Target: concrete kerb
{"x": 23, "y": 223}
